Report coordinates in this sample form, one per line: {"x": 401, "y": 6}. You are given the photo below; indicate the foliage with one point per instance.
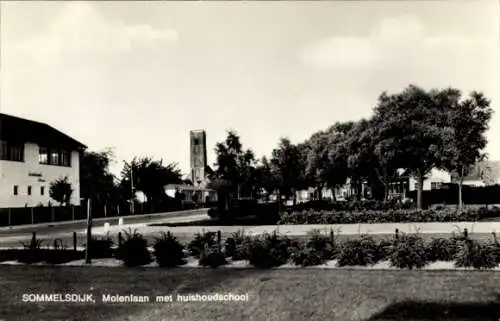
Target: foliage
{"x": 235, "y": 166}
{"x": 101, "y": 247}
{"x": 212, "y": 256}
{"x": 323, "y": 245}
{"x": 468, "y": 122}
{"x": 237, "y": 246}
{"x": 409, "y": 252}
{"x": 200, "y": 241}
{"x": 269, "y": 250}
{"x": 472, "y": 253}
{"x": 149, "y": 176}
{"x": 411, "y": 126}
{"x": 288, "y": 168}
{"x": 134, "y": 250}
{"x": 96, "y": 182}
{"x": 60, "y": 190}
{"x": 306, "y": 256}
{"x": 168, "y": 251}
{"x": 391, "y": 216}
{"x": 362, "y": 251}
{"x": 442, "y": 249}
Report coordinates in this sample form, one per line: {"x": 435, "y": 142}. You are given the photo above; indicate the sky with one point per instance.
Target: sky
{"x": 138, "y": 76}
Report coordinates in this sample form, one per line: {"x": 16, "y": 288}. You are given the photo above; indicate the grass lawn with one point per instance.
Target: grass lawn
{"x": 289, "y": 295}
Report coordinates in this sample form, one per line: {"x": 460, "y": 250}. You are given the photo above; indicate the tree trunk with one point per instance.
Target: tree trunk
{"x": 334, "y": 198}
{"x": 420, "y": 190}
{"x": 294, "y": 196}
{"x": 460, "y": 184}
{"x": 320, "y": 193}
{"x": 386, "y": 191}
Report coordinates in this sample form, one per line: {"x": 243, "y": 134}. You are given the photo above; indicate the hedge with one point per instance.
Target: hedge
{"x": 387, "y": 216}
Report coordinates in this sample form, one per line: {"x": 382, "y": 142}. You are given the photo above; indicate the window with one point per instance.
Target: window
{"x": 55, "y": 157}
{"x": 42, "y": 190}
{"x": 43, "y": 155}
{"x": 16, "y": 190}
{"x": 29, "y": 190}
{"x": 197, "y": 141}
{"x": 11, "y": 152}
{"x": 435, "y": 185}
{"x": 65, "y": 158}
{"x": 16, "y": 153}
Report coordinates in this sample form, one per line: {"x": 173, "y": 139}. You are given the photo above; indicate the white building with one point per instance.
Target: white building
{"x": 433, "y": 180}
{"x": 32, "y": 155}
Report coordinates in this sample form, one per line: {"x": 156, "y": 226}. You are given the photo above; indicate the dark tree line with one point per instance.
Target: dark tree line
{"x": 415, "y": 130}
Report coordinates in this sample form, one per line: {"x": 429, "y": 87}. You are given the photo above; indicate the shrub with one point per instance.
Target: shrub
{"x": 212, "y": 256}
{"x": 269, "y": 250}
{"x": 200, "y": 241}
{"x": 168, "y": 251}
{"x": 32, "y": 252}
{"x": 306, "y": 256}
{"x": 471, "y": 253}
{"x": 356, "y": 216}
{"x": 362, "y": 251}
{"x": 385, "y": 249}
{"x": 134, "y": 250}
{"x": 409, "y": 252}
{"x": 441, "y": 249}
{"x": 101, "y": 247}
{"x": 323, "y": 245}
{"x": 237, "y": 246}
{"x": 59, "y": 256}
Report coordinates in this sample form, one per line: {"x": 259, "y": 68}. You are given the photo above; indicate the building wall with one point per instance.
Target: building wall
{"x": 31, "y": 173}
{"x": 435, "y": 176}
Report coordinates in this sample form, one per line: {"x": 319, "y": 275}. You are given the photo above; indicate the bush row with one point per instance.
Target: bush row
{"x": 405, "y": 251}
{"x": 372, "y": 205}
{"x": 387, "y": 216}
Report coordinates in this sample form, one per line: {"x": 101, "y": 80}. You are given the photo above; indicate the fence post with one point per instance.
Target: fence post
{"x": 32, "y": 216}
{"x": 88, "y": 259}
{"x": 105, "y": 210}
{"x": 72, "y": 212}
{"x": 74, "y": 241}
{"x": 53, "y": 214}
{"x": 33, "y": 240}
{"x": 219, "y": 238}
{"x": 120, "y": 238}
{"x": 9, "y": 218}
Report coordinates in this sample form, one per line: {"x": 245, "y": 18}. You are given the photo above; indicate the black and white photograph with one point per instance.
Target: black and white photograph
{"x": 250, "y": 160}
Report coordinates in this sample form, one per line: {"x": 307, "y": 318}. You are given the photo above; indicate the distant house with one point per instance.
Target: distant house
{"x": 32, "y": 155}
{"x": 189, "y": 192}
{"x": 408, "y": 183}
{"x": 484, "y": 173}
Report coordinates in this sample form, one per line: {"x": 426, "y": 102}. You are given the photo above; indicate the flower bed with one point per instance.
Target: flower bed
{"x": 399, "y": 251}
{"x": 387, "y": 216}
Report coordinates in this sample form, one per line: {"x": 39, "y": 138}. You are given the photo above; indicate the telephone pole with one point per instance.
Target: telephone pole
{"x": 132, "y": 198}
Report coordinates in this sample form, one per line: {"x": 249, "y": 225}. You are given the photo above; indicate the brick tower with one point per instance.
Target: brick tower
{"x": 198, "y": 149}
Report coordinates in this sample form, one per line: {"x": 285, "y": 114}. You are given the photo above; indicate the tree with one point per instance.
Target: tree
{"x": 234, "y": 165}
{"x": 60, "y": 190}
{"x": 96, "y": 182}
{"x": 288, "y": 168}
{"x": 468, "y": 122}
{"x": 412, "y": 128}
{"x": 326, "y": 164}
{"x": 265, "y": 178}
{"x": 149, "y": 176}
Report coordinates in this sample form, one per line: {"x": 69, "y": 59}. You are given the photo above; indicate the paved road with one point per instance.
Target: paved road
{"x": 13, "y": 236}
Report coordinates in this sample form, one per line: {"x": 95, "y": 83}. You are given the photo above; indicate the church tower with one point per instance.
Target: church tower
{"x": 198, "y": 149}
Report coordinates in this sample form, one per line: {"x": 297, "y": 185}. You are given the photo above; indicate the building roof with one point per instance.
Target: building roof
{"x": 19, "y": 130}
